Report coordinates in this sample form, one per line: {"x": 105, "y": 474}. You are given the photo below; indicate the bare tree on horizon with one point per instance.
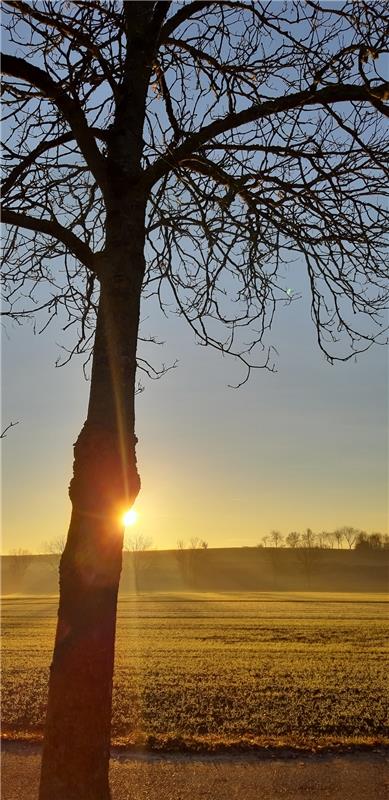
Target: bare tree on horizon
{"x": 293, "y": 539}
{"x": 350, "y": 535}
{"x": 137, "y": 545}
{"x": 276, "y": 538}
{"x": 52, "y": 549}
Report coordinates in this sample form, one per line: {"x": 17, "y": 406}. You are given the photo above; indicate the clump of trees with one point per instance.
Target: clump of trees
{"x": 345, "y": 537}
{"x": 307, "y": 546}
{"x": 372, "y": 541}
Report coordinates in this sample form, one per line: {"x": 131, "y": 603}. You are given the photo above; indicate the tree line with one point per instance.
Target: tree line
{"x": 353, "y": 538}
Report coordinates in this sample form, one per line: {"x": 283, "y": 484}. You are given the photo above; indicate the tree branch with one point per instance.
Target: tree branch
{"x": 167, "y": 99}
{"x": 183, "y": 14}
{"x": 236, "y": 186}
{"x": 3, "y": 434}
{"x": 326, "y": 96}
{"x": 54, "y": 229}
{"x": 26, "y": 162}
{"x": 200, "y": 55}
{"x": 69, "y": 108}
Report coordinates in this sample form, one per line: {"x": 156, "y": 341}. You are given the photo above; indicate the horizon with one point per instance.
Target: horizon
{"x": 187, "y": 546}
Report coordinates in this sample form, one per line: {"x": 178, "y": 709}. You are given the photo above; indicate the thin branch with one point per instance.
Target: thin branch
{"x": 181, "y": 16}
{"x": 3, "y": 435}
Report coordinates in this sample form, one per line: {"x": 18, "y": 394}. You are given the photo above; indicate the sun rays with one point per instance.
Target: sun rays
{"x": 129, "y": 518}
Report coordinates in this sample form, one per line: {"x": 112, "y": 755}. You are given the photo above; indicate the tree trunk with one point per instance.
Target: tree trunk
{"x": 105, "y": 482}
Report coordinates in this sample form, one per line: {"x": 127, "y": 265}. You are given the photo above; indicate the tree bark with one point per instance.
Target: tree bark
{"x": 105, "y": 482}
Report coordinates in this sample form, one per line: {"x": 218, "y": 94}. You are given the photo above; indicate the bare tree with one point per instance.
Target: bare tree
{"x": 349, "y": 535}
{"x": 276, "y": 538}
{"x": 308, "y": 554}
{"x": 362, "y": 541}
{"x": 194, "y": 561}
{"x": 339, "y": 536}
{"x": 329, "y": 539}
{"x": 54, "y": 546}
{"x": 293, "y": 539}
{"x": 183, "y": 560}
{"x": 195, "y": 543}
{"x": 308, "y": 538}
{"x": 322, "y": 539}
{"x": 137, "y": 545}
{"x": 376, "y": 540}
{"x": 53, "y": 549}
{"x": 185, "y": 153}
{"x": 274, "y": 556}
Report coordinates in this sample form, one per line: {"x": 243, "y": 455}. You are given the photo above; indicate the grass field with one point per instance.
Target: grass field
{"x": 220, "y": 670}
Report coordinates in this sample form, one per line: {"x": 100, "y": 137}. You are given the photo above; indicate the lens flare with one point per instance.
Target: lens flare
{"x": 129, "y": 518}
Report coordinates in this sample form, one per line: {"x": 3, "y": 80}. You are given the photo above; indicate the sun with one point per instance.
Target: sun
{"x": 129, "y": 518}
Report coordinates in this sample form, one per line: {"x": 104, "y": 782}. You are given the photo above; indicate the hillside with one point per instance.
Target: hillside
{"x": 220, "y": 569}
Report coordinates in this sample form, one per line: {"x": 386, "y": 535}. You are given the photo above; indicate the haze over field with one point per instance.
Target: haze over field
{"x": 212, "y": 570}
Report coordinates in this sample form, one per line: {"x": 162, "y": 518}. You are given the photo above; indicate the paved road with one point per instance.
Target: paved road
{"x": 352, "y": 776}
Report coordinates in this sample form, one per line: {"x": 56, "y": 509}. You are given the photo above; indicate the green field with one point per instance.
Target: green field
{"x": 220, "y": 670}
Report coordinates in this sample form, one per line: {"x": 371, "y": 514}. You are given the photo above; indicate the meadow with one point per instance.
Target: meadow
{"x": 220, "y": 670}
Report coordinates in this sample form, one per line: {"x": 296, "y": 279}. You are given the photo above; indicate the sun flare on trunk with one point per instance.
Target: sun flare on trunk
{"x": 129, "y": 517}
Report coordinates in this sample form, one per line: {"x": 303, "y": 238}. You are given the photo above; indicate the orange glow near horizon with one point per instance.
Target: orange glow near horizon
{"x": 129, "y": 517}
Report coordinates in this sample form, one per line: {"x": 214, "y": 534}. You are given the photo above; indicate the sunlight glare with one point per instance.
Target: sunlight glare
{"x": 129, "y": 518}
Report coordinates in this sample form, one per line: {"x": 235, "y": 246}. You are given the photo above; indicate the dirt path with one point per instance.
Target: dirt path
{"x": 352, "y": 776}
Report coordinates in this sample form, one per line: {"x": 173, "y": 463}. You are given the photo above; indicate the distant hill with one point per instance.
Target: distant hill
{"x": 220, "y": 569}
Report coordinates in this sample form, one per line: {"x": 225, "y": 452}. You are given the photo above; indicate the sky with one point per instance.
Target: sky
{"x": 306, "y": 446}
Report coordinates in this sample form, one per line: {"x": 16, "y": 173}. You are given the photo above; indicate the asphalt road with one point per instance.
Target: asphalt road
{"x": 351, "y": 776}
